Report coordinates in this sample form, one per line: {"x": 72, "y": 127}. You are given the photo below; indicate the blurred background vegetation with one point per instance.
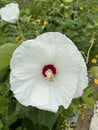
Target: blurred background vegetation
{"x": 77, "y": 19}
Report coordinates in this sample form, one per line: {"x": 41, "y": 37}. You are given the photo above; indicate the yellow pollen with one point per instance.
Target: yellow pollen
{"x": 49, "y": 73}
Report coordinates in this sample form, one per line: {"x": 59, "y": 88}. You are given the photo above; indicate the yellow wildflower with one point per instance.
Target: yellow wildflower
{"x": 83, "y": 116}
{"x": 81, "y": 8}
{"x": 45, "y": 22}
{"x": 82, "y": 106}
{"x": 38, "y": 20}
{"x": 66, "y": 15}
{"x": 94, "y": 32}
{"x": 96, "y": 81}
{"x": 96, "y": 56}
{"x": 94, "y": 61}
{"x": 17, "y": 38}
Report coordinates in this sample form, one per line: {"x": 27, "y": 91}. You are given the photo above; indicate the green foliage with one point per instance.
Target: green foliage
{"x": 94, "y": 71}
{"x": 37, "y": 116}
{"x": 76, "y": 19}
{"x": 3, "y": 104}
{"x": 6, "y": 52}
{"x": 87, "y": 99}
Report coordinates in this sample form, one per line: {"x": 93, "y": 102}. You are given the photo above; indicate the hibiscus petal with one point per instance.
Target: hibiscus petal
{"x": 7, "y": 12}
{"x": 30, "y": 92}
{"x": 61, "y": 93}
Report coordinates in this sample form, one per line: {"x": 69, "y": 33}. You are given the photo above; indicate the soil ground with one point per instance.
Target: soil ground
{"x": 83, "y": 124}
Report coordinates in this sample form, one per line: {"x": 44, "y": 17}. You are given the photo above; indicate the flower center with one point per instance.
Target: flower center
{"x": 49, "y": 71}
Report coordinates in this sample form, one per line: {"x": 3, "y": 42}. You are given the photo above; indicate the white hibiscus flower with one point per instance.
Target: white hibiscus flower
{"x": 10, "y": 13}
{"x": 47, "y": 72}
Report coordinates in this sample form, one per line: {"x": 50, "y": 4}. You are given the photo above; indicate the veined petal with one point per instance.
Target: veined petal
{"x": 81, "y": 84}
{"x": 26, "y": 73}
{"x": 51, "y": 71}
{"x": 59, "y": 94}
{"x": 28, "y": 92}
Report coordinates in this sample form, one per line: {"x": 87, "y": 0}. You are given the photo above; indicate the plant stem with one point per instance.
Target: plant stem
{"x": 76, "y": 8}
{"x": 83, "y": 54}
{"x": 92, "y": 43}
{"x": 20, "y": 31}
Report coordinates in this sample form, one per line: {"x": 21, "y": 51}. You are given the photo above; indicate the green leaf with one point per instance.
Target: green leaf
{"x": 47, "y": 118}
{"x": 32, "y": 114}
{"x": 19, "y": 128}
{"x": 89, "y": 91}
{"x": 37, "y": 116}
{"x": 11, "y": 119}
{"x": 1, "y": 124}
{"x": 88, "y": 101}
{"x": 3, "y": 101}
{"x": 3, "y": 104}
{"x": 75, "y": 108}
{"x": 94, "y": 71}
{"x": 4, "y": 90}
{"x": 28, "y": 124}
{"x": 21, "y": 110}
{"x": 66, "y": 112}
{"x": 6, "y": 52}
{"x": 5, "y": 128}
